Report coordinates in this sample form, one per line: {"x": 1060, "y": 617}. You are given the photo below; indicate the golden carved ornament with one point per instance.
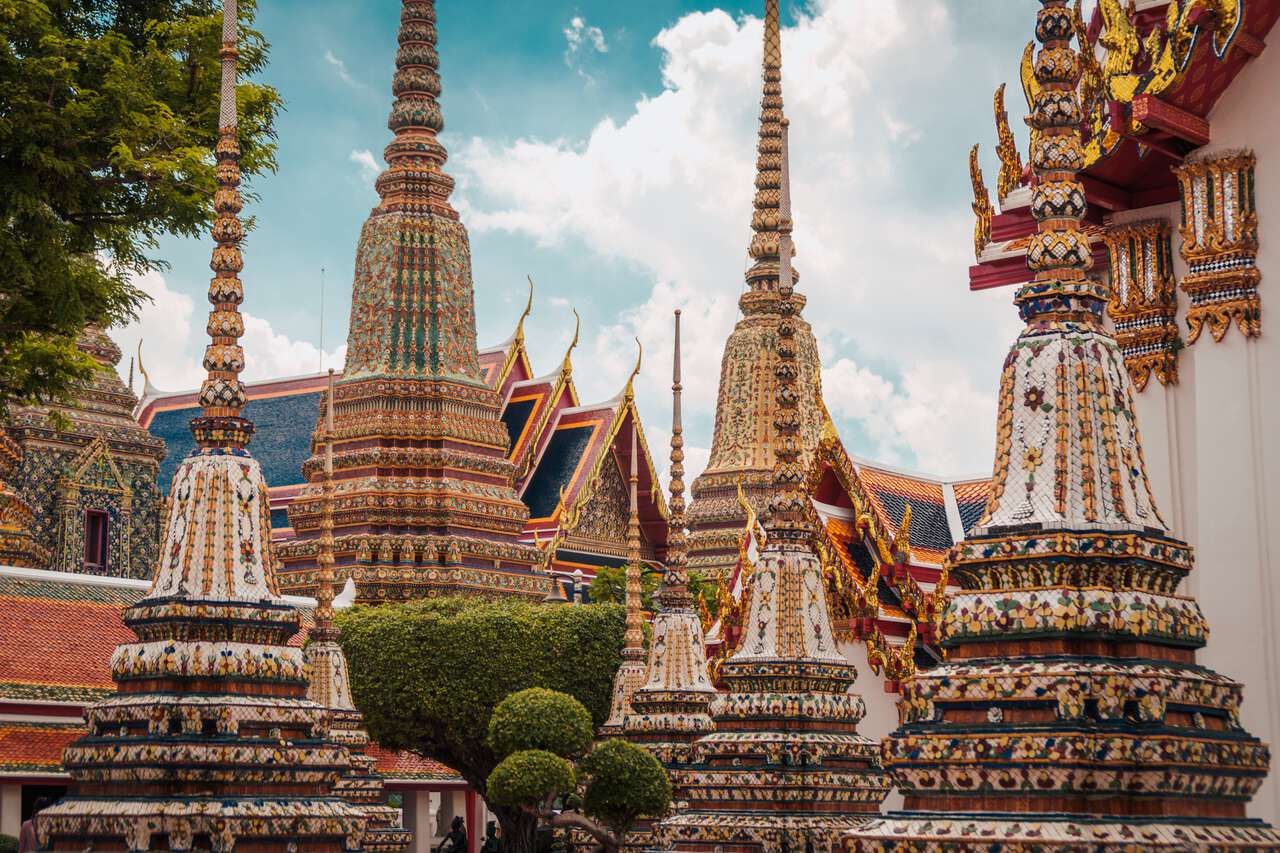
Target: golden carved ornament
{"x": 982, "y": 209}
{"x": 1010, "y": 176}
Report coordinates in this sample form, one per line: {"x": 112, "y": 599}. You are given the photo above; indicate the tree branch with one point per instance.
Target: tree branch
{"x": 573, "y": 820}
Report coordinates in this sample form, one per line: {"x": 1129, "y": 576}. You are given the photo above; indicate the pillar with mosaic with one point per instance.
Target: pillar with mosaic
{"x": 1071, "y": 713}
{"x": 209, "y": 741}
{"x": 425, "y": 501}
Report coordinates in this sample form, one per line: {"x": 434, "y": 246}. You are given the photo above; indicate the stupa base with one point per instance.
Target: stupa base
{"x": 756, "y": 832}
{"x": 918, "y": 832}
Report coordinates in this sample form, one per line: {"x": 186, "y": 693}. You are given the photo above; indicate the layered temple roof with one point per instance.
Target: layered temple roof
{"x": 556, "y": 444}
{"x": 76, "y": 621}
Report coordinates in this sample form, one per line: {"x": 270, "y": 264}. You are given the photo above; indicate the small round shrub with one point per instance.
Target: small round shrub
{"x": 624, "y": 781}
{"x": 527, "y": 777}
{"x": 8, "y": 844}
{"x": 540, "y": 719}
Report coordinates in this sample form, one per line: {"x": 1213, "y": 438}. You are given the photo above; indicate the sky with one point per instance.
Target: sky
{"x": 607, "y": 150}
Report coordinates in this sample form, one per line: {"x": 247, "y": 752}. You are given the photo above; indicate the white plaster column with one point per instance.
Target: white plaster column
{"x": 10, "y": 810}
{"x": 417, "y": 818}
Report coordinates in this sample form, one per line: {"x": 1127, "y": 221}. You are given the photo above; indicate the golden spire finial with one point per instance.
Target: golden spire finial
{"x": 766, "y": 218}
{"x": 222, "y": 395}
{"x": 675, "y": 581}
{"x": 324, "y": 548}
{"x": 634, "y": 643}
{"x": 524, "y": 315}
{"x": 1007, "y": 148}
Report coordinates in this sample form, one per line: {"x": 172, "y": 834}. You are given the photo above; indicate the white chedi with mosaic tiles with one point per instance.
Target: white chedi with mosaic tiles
{"x": 1068, "y": 452}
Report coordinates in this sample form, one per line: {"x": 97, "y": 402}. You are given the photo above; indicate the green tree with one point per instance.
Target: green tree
{"x": 108, "y": 119}
{"x": 428, "y": 674}
{"x": 542, "y": 734}
{"x": 609, "y": 586}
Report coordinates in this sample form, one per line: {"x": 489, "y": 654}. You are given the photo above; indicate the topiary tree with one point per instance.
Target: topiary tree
{"x": 541, "y": 733}
{"x": 428, "y": 675}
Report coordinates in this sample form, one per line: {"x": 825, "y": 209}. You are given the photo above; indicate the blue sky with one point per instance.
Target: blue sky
{"x": 607, "y": 149}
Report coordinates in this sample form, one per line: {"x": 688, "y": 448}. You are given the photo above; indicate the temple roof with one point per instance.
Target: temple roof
{"x": 1146, "y": 103}
{"x": 74, "y": 621}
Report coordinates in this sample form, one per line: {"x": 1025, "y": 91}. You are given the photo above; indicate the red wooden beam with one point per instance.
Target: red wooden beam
{"x": 1249, "y": 43}
{"x": 1175, "y": 121}
{"x": 1104, "y": 195}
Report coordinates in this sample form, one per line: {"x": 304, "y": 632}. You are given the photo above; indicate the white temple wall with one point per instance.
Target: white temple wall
{"x": 10, "y": 809}
{"x": 882, "y": 707}
{"x": 1209, "y": 441}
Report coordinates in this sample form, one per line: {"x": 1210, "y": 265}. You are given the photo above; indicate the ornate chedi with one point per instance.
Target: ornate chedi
{"x": 631, "y": 672}
{"x": 1071, "y": 714}
{"x": 785, "y": 768}
{"x": 18, "y": 547}
{"x": 330, "y": 688}
{"x": 669, "y": 710}
{"x": 1144, "y": 304}
{"x": 1220, "y": 245}
{"x": 741, "y": 449}
{"x": 424, "y": 499}
{"x": 90, "y": 481}
{"x": 209, "y": 742}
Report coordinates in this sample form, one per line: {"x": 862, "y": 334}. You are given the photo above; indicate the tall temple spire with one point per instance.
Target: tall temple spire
{"x": 747, "y": 404}
{"x": 785, "y": 767}
{"x": 1068, "y": 647}
{"x": 669, "y": 711}
{"x": 222, "y": 396}
{"x": 428, "y": 501}
{"x": 630, "y": 674}
{"x": 209, "y": 741}
{"x": 767, "y": 215}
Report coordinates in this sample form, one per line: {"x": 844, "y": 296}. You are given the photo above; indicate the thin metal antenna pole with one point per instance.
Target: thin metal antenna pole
{"x": 321, "y": 318}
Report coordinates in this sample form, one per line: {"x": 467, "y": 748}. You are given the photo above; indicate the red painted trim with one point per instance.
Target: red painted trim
{"x": 474, "y": 830}
{"x": 74, "y": 712}
{"x": 1187, "y": 126}
{"x": 999, "y": 273}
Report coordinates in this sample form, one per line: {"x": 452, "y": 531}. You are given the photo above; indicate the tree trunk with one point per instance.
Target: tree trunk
{"x": 519, "y": 829}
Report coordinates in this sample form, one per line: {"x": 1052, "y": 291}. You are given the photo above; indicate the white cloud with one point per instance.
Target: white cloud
{"x": 173, "y": 342}
{"x": 581, "y": 41}
{"x": 369, "y": 167}
{"x": 340, "y": 68}
{"x": 668, "y": 190}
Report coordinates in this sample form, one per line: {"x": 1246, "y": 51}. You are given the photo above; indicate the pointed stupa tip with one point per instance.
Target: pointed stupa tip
{"x": 675, "y": 581}
{"x": 766, "y": 218}
{"x": 414, "y": 179}
{"x": 222, "y": 395}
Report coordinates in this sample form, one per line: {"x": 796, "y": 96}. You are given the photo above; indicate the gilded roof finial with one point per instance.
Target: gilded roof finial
{"x": 982, "y": 209}
{"x": 566, "y": 366}
{"x": 524, "y": 315}
{"x": 222, "y": 395}
{"x": 629, "y": 392}
{"x": 415, "y": 178}
{"x": 1007, "y": 148}
{"x": 766, "y": 217}
{"x": 324, "y": 548}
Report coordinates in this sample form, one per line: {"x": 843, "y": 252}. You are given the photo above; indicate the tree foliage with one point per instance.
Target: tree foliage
{"x": 528, "y": 777}
{"x": 428, "y": 675}
{"x": 539, "y": 731}
{"x": 108, "y": 119}
{"x": 540, "y": 719}
{"x": 622, "y": 782}
{"x": 609, "y": 586}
